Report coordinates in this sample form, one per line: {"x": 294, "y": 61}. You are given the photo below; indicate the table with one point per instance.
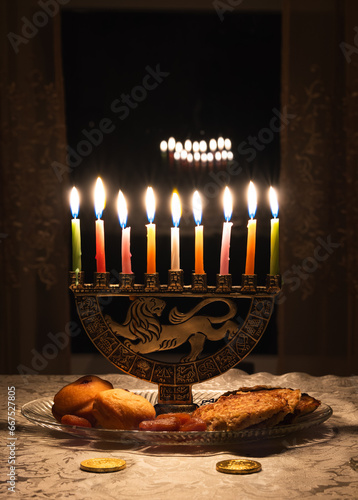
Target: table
{"x": 315, "y": 462}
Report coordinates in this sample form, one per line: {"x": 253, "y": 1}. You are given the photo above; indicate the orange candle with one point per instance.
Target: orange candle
{"x": 151, "y": 250}
{"x": 100, "y": 201}
{"x": 199, "y": 234}
{"x": 226, "y": 235}
{"x": 126, "y": 234}
{"x": 251, "y": 233}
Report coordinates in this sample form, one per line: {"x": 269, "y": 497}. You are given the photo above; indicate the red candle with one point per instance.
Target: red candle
{"x": 99, "y": 201}
{"x": 126, "y": 234}
{"x": 225, "y": 241}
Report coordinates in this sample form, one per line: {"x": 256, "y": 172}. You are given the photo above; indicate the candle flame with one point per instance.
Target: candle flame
{"x": 74, "y": 202}
{"x": 195, "y": 146}
{"x": 252, "y": 196}
{"x": 150, "y": 204}
{"x": 99, "y": 198}
{"x": 227, "y": 144}
{"x": 178, "y": 147}
{"x": 197, "y": 208}
{"x": 122, "y": 210}
{"x": 221, "y": 143}
{"x": 163, "y": 146}
{"x": 176, "y": 208}
{"x": 203, "y": 146}
{"x": 273, "y": 202}
{"x": 187, "y": 145}
{"x": 227, "y": 204}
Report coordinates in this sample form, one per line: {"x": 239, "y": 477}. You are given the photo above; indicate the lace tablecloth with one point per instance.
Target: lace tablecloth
{"x": 319, "y": 462}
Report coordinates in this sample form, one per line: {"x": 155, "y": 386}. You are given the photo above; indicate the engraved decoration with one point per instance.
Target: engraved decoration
{"x": 208, "y": 342}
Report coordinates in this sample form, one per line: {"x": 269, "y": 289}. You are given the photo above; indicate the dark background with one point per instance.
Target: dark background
{"x": 224, "y": 79}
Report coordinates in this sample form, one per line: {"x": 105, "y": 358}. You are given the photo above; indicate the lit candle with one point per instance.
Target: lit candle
{"x": 187, "y": 145}
{"x": 251, "y": 233}
{"x": 274, "y": 258}
{"x": 171, "y": 144}
{"x": 76, "y": 231}
{"x": 151, "y": 258}
{"x": 227, "y": 144}
{"x": 199, "y": 234}
{"x": 126, "y": 234}
{"x": 99, "y": 204}
{"x": 202, "y": 147}
{"x": 196, "y": 147}
{"x": 175, "y": 245}
{"x": 225, "y": 241}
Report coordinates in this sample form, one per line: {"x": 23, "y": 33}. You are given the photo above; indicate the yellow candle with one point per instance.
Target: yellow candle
{"x": 76, "y": 231}
{"x": 199, "y": 234}
{"x": 151, "y": 249}
{"x": 274, "y": 256}
{"x": 251, "y": 232}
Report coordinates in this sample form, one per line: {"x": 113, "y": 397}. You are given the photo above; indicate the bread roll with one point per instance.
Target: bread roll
{"x": 120, "y": 409}
{"x": 77, "y": 398}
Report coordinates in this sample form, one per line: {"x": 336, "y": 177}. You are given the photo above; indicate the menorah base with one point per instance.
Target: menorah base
{"x": 161, "y": 408}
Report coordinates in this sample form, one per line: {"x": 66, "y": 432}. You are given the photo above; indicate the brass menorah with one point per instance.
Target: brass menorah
{"x": 199, "y": 327}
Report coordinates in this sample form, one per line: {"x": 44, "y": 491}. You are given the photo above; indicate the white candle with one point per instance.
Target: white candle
{"x": 226, "y": 236}
{"x": 175, "y": 239}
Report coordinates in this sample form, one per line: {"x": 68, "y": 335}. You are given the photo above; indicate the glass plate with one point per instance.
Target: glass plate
{"x": 39, "y": 412}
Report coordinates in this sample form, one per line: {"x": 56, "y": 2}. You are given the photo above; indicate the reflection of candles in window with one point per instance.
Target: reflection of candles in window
{"x": 175, "y": 238}
{"x": 251, "y": 233}
{"x": 99, "y": 204}
{"x": 197, "y": 159}
{"x": 204, "y": 159}
{"x": 164, "y": 147}
{"x": 224, "y": 156}
{"x": 218, "y": 158}
{"x": 171, "y": 144}
{"x": 227, "y": 144}
{"x": 210, "y": 159}
{"x": 230, "y": 156}
{"x": 76, "y": 231}
{"x": 274, "y": 257}
{"x": 187, "y": 145}
{"x": 176, "y": 156}
{"x": 225, "y": 241}
{"x": 126, "y": 234}
{"x": 202, "y": 146}
{"x": 190, "y": 158}
{"x": 151, "y": 250}
{"x": 178, "y": 147}
{"x": 199, "y": 234}
{"x": 212, "y": 145}
{"x": 221, "y": 143}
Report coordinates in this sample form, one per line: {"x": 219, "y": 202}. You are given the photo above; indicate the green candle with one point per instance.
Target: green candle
{"x": 76, "y": 232}
{"x": 274, "y": 257}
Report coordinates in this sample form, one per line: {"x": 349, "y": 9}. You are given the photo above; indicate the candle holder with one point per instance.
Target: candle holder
{"x": 176, "y": 280}
{"x": 273, "y": 283}
{"x": 101, "y": 280}
{"x": 151, "y": 282}
{"x": 199, "y": 282}
{"x": 76, "y": 278}
{"x": 249, "y": 283}
{"x": 126, "y": 282}
{"x": 170, "y": 337}
{"x": 223, "y": 283}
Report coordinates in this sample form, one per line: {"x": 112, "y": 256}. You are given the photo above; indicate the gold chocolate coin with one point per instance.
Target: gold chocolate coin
{"x": 238, "y": 466}
{"x": 103, "y": 464}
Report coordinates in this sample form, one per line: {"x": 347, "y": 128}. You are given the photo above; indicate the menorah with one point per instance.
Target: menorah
{"x": 204, "y": 330}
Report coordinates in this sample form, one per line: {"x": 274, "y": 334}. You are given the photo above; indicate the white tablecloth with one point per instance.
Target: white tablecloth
{"x": 314, "y": 462}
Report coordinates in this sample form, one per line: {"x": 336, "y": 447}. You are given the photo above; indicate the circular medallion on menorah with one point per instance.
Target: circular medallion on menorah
{"x": 173, "y": 341}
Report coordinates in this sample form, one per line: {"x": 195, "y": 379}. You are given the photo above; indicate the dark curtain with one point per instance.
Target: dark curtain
{"x": 318, "y": 309}
{"x": 35, "y": 216}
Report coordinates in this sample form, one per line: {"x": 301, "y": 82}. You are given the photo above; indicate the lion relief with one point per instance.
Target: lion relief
{"x": 143, "y": 332}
